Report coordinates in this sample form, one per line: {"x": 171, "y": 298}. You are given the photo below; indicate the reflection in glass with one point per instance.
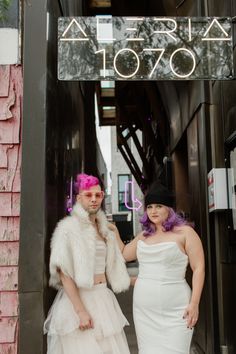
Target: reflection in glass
{"x": 121, "y": 191}
{"x": 148, "y": 48}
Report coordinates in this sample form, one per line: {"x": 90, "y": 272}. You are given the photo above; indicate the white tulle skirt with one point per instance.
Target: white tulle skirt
{"x": 107, "y": 336}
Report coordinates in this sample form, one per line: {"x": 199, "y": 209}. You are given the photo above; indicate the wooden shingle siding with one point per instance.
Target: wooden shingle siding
{"x": 9, "y": 228}
{"x": 10, "y": 165}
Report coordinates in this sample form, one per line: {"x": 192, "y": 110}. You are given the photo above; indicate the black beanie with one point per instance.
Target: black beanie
{"x": 159, "y": 194}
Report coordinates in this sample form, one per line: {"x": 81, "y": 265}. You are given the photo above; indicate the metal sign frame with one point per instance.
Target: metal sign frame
{"x": 145, "y": 48}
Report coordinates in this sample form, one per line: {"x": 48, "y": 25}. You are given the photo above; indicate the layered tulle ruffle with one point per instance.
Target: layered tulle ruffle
{"x": 107, "y": 336}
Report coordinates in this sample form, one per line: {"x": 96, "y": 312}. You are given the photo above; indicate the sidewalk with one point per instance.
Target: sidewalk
{"x": 125, "y": 301}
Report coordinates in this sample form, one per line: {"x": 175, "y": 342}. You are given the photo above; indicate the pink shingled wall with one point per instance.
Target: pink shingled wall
{"x": 10, "y": 163}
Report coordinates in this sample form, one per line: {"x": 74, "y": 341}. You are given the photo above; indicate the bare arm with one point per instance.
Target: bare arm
{"x": 72, "y": 292}
{"x": 194, "y": 250}
{"x": 130, "y": 250}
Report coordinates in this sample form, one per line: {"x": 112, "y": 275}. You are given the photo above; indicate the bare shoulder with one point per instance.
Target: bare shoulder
{"x": 187, "y": 231}
{"x": 140, "y": 236}
{"x": 184, "y": 229}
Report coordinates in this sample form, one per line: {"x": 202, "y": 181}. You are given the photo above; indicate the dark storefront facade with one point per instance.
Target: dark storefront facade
{"x": 192, "y": 129}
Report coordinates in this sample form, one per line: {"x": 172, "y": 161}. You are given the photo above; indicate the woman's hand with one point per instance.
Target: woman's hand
{"x": 112, "y": 227}
{"x": 191, "y": 314}
{"x": 86, "y": 321}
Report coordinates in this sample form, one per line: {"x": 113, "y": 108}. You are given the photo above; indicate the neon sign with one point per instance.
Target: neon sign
{"x": 136, "y": 204}
{"x": 144, "y": 48}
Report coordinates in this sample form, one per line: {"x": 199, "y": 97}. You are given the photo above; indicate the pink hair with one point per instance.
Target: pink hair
{"x": 84, "y": 182}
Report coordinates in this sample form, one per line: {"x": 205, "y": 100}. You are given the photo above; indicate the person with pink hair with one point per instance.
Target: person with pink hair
{"x": 85, "y": 317}
{"x": 165, "y": 308}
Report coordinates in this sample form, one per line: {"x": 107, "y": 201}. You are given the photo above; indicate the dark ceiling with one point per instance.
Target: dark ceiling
{"x": 124, "y": 7}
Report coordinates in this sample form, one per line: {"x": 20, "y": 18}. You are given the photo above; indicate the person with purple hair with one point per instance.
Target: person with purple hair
{"x": 85, "y": 317}
{"x": 165, "y": 309}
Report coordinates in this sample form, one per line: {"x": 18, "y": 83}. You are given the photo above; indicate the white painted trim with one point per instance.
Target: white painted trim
{"x": 9, "y": 46}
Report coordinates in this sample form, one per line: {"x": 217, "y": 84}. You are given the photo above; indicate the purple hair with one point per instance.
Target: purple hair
{"x": 174, "y": 219}
{"x": 84, "y": 182}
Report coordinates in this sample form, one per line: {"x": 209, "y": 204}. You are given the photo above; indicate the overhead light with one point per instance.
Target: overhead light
{"x": 100, "y": 3}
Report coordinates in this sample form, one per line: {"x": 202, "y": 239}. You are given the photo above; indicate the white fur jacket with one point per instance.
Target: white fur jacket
{"x": 73, "y": 251}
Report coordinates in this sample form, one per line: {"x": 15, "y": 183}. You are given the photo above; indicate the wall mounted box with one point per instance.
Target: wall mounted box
{"x": 221, "y": 189}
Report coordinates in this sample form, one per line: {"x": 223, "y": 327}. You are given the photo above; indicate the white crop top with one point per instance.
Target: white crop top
{"x": 100, "y": 257}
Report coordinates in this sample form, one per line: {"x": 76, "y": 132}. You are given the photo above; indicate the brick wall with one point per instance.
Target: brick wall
{"x": 10, "y": 163}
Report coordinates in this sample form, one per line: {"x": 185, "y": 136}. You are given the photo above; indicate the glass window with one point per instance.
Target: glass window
{"x": 122, "y": 179}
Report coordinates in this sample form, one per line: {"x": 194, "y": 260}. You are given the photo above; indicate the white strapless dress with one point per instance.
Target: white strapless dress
{"x": 161, "y": 295}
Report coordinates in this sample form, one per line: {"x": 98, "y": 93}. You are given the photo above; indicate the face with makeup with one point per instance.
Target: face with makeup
{"x": 91, "y": 199}
{"x": 157, "y": 213}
